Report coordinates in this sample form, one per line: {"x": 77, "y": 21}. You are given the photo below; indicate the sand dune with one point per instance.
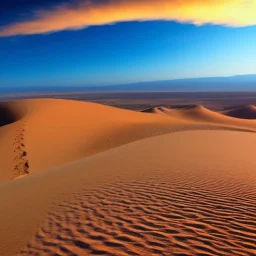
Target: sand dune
{"x": 247, "y": 112}
{"x": 140, "y": 199}
{"x": 85, "y": 179}
{"x": 61, "y": 131}
{"x": 201, "y": 114}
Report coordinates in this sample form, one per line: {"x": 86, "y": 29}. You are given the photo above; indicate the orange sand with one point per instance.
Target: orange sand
{"x": 84, "y": 179}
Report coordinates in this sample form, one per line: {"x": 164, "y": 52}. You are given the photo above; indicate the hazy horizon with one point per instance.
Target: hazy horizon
{"x": 201, "y": 84}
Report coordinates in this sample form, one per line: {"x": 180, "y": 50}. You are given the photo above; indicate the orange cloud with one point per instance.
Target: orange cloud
{"x": 66, "y": 17}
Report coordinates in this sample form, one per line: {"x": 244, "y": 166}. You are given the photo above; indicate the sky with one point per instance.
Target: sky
{"x": 103, "y": 42}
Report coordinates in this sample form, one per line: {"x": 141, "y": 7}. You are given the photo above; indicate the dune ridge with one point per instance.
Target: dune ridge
{"x": 98, "y": 180}
{"x": 81, "y": 124}
{"x": 199, "y": 113}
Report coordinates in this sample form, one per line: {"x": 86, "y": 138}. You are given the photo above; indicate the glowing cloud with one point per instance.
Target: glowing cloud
{"x": 88, "y": 13}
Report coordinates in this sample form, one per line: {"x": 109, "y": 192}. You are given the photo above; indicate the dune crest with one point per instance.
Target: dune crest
{"x": 200, "y": 114}
{"x": 63, "y": 131}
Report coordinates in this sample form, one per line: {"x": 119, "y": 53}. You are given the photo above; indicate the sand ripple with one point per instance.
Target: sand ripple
{"x": 160, "y": 214}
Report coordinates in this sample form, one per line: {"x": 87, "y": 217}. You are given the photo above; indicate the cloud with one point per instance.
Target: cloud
{"x": 87, "y": 13}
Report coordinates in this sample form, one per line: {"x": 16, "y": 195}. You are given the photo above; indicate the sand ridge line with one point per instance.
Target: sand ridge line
{"x": 79, "y": 125}
{"x": 22, "y": 164}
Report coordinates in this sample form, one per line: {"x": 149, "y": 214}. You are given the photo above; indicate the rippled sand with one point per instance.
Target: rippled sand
{"x": 126, "y": 183}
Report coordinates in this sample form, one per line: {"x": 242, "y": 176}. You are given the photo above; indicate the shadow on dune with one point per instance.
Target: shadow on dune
{"x": 7, "y": 115}
{"x": 247, "y": 112}
{"x": 11, "y": 112}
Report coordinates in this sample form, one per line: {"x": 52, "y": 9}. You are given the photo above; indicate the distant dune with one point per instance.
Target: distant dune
{"x": 86, "y": 179}
{"x": 199, "y": 113}
{"x": 247, "y": 112}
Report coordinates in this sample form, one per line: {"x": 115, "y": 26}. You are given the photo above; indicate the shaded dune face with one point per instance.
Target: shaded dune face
{"x": 7, "y": 115}
{"x": 248, "y": 112}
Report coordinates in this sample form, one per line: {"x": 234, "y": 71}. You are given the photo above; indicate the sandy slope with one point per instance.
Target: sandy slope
{"x": 52, "y": 132}
{"x": 12, "y": 121}
{"x": 99, "y": 181}
{"x": 140, "y": 199}
{"x": 49, "y": 132}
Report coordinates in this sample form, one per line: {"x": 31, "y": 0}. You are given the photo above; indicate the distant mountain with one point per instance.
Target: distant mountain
{"x": 233, "y": 83}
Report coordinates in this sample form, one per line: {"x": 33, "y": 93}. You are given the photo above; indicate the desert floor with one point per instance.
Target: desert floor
{"x": 80, "y": 178}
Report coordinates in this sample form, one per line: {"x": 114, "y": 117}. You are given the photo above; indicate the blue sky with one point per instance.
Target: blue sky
{"x": 123, "y": 52}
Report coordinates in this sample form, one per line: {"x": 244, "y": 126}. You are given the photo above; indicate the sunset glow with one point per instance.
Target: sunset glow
{"x": 234, "y": 13}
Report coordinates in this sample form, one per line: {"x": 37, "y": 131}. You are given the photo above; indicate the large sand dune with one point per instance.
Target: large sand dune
{"x": 96, "y": 180}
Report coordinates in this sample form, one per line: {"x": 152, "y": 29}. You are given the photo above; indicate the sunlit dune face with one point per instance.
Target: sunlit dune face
{"x": 87, "y": 13}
